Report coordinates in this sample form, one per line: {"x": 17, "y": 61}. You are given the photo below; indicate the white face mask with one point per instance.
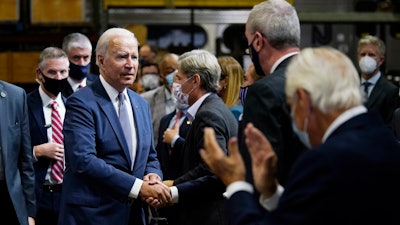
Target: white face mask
{"x": 181, "y": 98}
{"x": 367, "y": 64}
{"x": 150, "y": 81}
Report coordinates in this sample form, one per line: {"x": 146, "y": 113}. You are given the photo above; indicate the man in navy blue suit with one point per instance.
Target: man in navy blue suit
{"x": 109, "y": 172}
{"x": 51, "y": 74}
{"x": 350, "y": 174}
{"x": 79, "y": 50}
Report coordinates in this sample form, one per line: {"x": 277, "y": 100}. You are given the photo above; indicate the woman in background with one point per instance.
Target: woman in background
{"x": 230, "y": 82}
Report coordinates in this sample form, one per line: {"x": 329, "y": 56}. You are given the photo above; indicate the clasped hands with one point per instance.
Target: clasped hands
{"x": 154, "y": 192}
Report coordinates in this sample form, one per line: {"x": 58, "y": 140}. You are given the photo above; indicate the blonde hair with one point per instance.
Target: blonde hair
{"x": 232, "y": 70}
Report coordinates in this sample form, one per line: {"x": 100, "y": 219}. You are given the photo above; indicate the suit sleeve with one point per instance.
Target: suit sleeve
{"x": 25, "y": 161}
{"x": 200, "y": 183}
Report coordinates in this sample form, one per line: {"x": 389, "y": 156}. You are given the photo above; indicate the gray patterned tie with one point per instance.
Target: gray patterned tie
{"x": 124, "y": 120}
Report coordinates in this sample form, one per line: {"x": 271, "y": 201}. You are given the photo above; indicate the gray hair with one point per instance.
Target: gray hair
{"x": 51, "y": 53}
{"x": 277, "y": 20}
{"x": 107, "y": 36}
{"x": 204, "y": 64}
{"x": 372, "y": 40}
{"x": 328, "y": 76}
{"x": 76, "y": 40}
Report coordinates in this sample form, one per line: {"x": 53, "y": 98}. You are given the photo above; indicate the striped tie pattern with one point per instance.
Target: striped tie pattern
{"x": 57, "y": 169}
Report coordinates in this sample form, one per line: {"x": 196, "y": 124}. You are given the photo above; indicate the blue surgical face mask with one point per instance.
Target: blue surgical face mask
{"x": 170, "y": 78}
{"x": 302, "y": 135}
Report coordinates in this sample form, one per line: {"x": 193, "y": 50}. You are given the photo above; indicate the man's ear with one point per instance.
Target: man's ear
{"x": 304, "y": 98}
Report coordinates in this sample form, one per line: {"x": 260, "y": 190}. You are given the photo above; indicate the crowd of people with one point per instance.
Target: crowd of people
{"x": 301, "y": 136}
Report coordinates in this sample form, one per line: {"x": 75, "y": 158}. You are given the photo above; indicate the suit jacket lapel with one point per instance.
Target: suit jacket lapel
{"x": 138, "y": 117}
{"x": 108, "y": 109}
{"x": 376, "y": 93}
{"x": 36, "y": 105}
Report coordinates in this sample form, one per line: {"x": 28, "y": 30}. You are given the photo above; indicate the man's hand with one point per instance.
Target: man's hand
{"x": 155, "y": 193}
{"x": 152, "y": 178}
{"x": 228, "y": 168}
{"x": 264, "y": 161}
{"x": 31, "y": 221}
{"x": 169, "y": 134}
{"x": 169, "y": 183}
{"x": 50, "y": 150}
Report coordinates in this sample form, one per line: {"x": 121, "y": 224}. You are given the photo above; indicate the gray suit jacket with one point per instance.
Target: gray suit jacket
{"x": 16, "y": 150}
{"x": 158, "y": 101}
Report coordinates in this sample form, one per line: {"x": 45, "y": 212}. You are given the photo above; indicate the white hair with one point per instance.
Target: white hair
{"x": 328, "y": 76}
{"x": 104, "y": 40}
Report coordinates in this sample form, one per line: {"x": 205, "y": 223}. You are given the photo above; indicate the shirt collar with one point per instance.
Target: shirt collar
{"x": 191, "y": 112}
{"x": 74, "y": 84}
{"x": 373, "y": 79}
{"x": 46, "y": 100}
{"x": 111, "y": 91}
{"x": 276, "y": 64}
{"x": 345, "y": 116}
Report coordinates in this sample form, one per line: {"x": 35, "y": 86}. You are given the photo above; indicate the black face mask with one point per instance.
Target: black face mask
{"x": 77, "y": 72}
{"x": 256, "y": 61}
{"x": 54, "y": 86}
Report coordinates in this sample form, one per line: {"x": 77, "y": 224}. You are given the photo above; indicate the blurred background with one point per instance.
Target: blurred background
{"x": 28, "y": 26}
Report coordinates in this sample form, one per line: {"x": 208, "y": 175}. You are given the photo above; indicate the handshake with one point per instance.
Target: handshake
{"x": 154, "y": 192}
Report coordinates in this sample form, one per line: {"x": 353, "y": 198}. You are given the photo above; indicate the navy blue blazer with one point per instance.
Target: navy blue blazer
{"x": 351, "y": 179}
{"x": 98, "y": 175}
{"x": 38, "y": 132}
{"x": 68, "y": 89}
{"x": 15, "y": 147}
{"x": 169, "y": 163}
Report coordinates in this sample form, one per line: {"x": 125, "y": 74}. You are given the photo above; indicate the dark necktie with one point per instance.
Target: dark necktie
{"x": 57, "y": 169}
{"x": 124, "y": 120}
{"x": 366, "y": 85}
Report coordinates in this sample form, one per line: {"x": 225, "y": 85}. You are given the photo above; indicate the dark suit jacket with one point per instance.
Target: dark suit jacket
{"x": 68, "y": 89}
{"x": 200, "y": 192}
{"x": 16, "y": 150}
{"x": 384, "y": 98}
{"x": 351, "y": 179}
{"x": 38, "y": 133}
{"x": 266, "y": 108}
{"x": 98, "y": 175}
{"x": 169, "y": 163}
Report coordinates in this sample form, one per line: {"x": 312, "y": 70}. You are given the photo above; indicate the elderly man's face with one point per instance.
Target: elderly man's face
{"x": 120, "y": 65}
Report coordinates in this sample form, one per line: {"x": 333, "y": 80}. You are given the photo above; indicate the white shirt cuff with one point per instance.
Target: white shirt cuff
{"x": 272, "y": 202}
{"x": 238, "y": 186}
{"x": 134, "y": 193}
{"x": 174, "y": 140}
{"x": 174, "y": 194}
